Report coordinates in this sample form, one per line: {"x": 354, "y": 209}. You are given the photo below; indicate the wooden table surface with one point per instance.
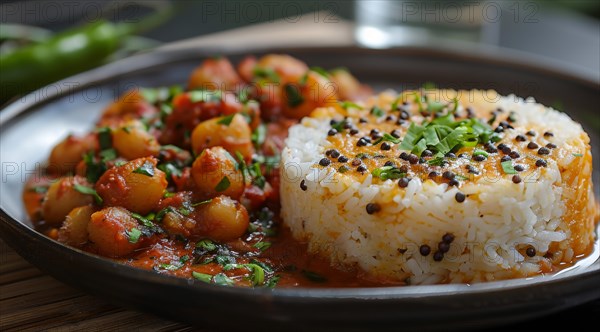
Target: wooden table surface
{"x": 32, "y": 300}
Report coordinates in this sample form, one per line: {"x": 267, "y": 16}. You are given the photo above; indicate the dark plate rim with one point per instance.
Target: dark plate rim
{"x": 167, "y": 57}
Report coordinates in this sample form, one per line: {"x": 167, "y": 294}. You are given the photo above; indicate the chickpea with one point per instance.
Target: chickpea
{"x": 349, "y": 88}
{"x": 132, "y": 141}
{"x": 299, "y": 100}
{"x": 62, "y": 197}
{"x": 214, "y": 74}
{"x": 235, "y": 136}
{"x": 66, "y": 154}
{"x": 214, "y": 166}
{"x": 113, "y": 231}
{"x": 137, "y": 186}
{"x": 74, "y": 230}
{"x": 130, "y": 105}
{"x": 222, "y": 219}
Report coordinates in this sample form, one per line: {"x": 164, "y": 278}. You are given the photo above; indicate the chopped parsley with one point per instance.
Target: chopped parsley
{"x": 577, "y": 154}
{"x": 388, "y": 173}
{"x": 348, "y": 104}
{"x": 377, "y": 111}
{"x": 204, "y": 96}
{"x": 294, "y": 97}
{"x": 223, "y": 184}
{"x": 259, "y": 135}
{"x": 104, "y": 138}
{"x": 226, "y": 120}
{"x": 88, "y": 191}
{"x": 266, "y": 74}
{"x": 478, "y": 152}
{"x": 388, "y": 138}
{"x": 262, "y": 246}
{"x": 133, "y": 235}
{"x": 507, "y": 167}
{"x": 202, "y": 277}
{"x": 146, "y": 169}
{"x": 445, "y": 134}
{"x": 320, "y": 71}
{"x": 175, "y": 265}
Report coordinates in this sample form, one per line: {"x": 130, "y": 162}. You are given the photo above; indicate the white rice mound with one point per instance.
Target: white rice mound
{"x": 496, "y": 219}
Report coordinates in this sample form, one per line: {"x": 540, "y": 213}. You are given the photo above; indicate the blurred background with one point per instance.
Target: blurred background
{"x": 567, "y": 32}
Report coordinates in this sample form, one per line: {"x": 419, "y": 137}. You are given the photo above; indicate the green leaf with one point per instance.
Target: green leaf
{"x": 175, "y": 265}
{"x": 343, "y": 169}
{"x": 93, "y": 169}
{"x": 388, "y": 138}
{"x": 293, "y": 94}
{"x": 377, "y": 111}
{"x": 222, "y": 279}
{"x": 146, "y": 169}
{"x": 226, "y": 120}
{"x": 478, "y": 152}
{"x": 257, "y": 275}
{"x": 39, "y": 189}
{"x": 202, "y": 202}
{"x": 202, "y": 277}
{"x": 412, "y": 136}
{"x": 223, "y": 184}
{"x": 133, "y": 235}
{"x": 272, "y": 282}
{"x": 320, "y": 71}
{"x": 348, "y": 104}
{"x": 104, "y": 138}
{"x": 388, "y": 172}
{"x": 170, "y": 169}
{"x": 108, "y": 154}
{"x": 262, "y": 246}
{"x": 145, "y": 221}
{"x": 259, "y": 135}
{"x": 437, "y": 161}
{"x": 207, "y": 245}
{"x": 577, "y": 154}
{"x": 204, "y": 96}
{"x": 507, "y": 167}
{"x": 266, "y": 73}
{"x": 88, "y": 191}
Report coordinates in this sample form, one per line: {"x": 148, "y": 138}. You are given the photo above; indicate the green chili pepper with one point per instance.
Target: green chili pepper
{"x": 65, "y": 54}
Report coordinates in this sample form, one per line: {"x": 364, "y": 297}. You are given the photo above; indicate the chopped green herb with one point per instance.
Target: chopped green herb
{"x": 264, "y": 265}
{"x": 377, "y": 111}
{"x": 294, "y": 96}
{"x": 478, "y": 152}
{"x": 222, "y": 279}
{"x": 168, "y": 194}
{"x": 437, "y": 161}
{"x": 145, "y": 221}
{"x": 161, "y": 214}
{"x": 120, "y": 163}
{"x": 388, "y": 138}
{"x": 348, "y": 104}
{"x": 363, "y": 156}
{"x": 104, "y": 138}
{"x": 313, "y": 276}
{"x": 262, "y": 246}
{"x": 206, "y": 245}
{"x": 175, "y": 265}
{"x": 146, "y": 169}
{"x": 259, "y": 135}
{"x": 460, "y": 177}
{"x": 202, "y": 202}
{"x": 204, "y": 96}
{"x": 133, "y": 235}
{"x": 577, "y": 154}
{"x": 108, "y": 154}
{"x": 267, "y": 74}
{"x": 388, "y": 173}
{"x": 226, "y": 120}
{"x": 507, "y": 167}
{"x": 202, "y": 277}
{"x": 257, "y": 274}
{"x": 88, "y": 191}
{"x": 39, "y": 189}
{"x": 272, "y": 282}
{"x": 223, "y": 184}
{"x": 320, "y": 71}
{"x": 343, "y": 169}
{"x": 170, "y": 169}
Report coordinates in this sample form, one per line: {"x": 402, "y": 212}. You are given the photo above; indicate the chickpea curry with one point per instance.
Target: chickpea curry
{"x": 185, "y": 181}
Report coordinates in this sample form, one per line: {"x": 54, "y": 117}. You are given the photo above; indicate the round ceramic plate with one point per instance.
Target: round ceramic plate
{"x": 32, "y": 125}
